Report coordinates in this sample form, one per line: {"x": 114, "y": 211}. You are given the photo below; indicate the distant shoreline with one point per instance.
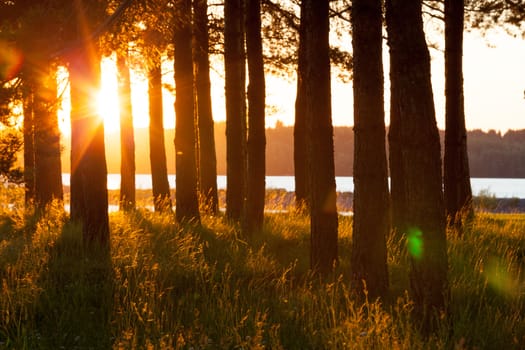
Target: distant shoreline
{"x": 482, "y": 187}
{"x": 280, "y": 199}
{"x": 491, "y": 154}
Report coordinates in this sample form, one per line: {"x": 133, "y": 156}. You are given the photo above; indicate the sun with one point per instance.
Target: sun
{"x": 107, "y": 99}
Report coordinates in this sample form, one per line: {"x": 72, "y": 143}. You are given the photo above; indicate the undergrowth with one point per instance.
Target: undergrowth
{"x": 165, "y": 286}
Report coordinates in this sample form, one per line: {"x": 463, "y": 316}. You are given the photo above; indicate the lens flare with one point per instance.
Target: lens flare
{"x": 10, "y": 61}
{"x": 415, "y": 243}
{"x": 501, "y": 278}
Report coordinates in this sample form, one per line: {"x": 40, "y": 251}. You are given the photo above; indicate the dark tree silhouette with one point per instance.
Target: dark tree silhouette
{"x": 316, "y": 80}
{"x": 89, "y": 197}
{"x": 415, "y": 162}
{"x": 37, "y": 81}
{"x": 150, "y": 38}
{"x": 127, "y": 138}
{"x": 159, "y": 170}
{"x": 235, "y": 76}
{"x": 300, "y": 132}
{"x": 458, "y": 193}
{"x": 187, "y": 204}
{"x": 338, "y": 57}
{"x": 256, "y": 119}
{"x": 207, "y": 156}
{"x": 29, "y": 145}
{"x": 48, "y": 167}
{"x": 371, "y": 197}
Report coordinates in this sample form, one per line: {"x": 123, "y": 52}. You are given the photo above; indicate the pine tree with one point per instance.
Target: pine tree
{"x": 235, "y": 77}
{"x": 415, "y": 162}
{"x": 256, "y": 122}
{"x": 318, "y": 114}
{"x": 371, "y": 196}
{"x": 187, "y": 204}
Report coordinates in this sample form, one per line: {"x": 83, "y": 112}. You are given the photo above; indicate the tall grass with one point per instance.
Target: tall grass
{"x": 187, "y": 287}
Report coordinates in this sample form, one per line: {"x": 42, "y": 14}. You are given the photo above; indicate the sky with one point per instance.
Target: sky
{"x": 494, "y": 84}
{"x": 494, "y": 81}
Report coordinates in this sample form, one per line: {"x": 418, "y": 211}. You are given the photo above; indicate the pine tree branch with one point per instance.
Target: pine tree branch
{"x": 429, "y": 5}
{"x": 340, "y": 13}
{"x": 433, "y": 15}
{"x": 101, "y": 29}
{"x": 292, "y": 19}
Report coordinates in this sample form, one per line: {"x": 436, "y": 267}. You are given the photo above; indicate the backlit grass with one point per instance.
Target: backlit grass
{"x": 169, "y": 286}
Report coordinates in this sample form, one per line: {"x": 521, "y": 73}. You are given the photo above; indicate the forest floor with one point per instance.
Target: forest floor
{"x": 166, "y": 286}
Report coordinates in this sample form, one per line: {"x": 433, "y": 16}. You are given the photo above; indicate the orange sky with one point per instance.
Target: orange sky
{"x": 494, "y": 77}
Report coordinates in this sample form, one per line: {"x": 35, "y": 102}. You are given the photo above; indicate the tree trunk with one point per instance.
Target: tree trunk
{"x": 371, "y": 222}
{"x": 157, "y": 147}
{"x": 89, "y": 197}
{"x": 300, "y": 133}
{"x": 207, "y": 156}
{"x": 187, "y": 203}
{"x": 458, "y": 193}
{"x": 234, "y": 67}
{"x": 29, "y": 149}
{"x": 415, "y": 162}
{"x": 318, "y": 113}
{"x": 127, "y": 140}
{"x": 48, "y": 167}
{"x": 256, "y": 124}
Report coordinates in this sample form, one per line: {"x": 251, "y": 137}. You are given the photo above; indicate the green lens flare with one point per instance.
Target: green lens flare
{"x": 500, "y": 278}
{"x": 415, "y": 243}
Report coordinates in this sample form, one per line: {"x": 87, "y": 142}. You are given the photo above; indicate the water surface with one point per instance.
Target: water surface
{"x": 501, "y": 188}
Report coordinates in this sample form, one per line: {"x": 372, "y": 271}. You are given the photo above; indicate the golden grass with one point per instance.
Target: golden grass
{"x": 167, "y": 286}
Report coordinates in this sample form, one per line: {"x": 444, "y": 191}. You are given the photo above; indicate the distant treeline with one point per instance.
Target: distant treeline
{"x": 491, "y": 154}
{"x": 494, "y": 155}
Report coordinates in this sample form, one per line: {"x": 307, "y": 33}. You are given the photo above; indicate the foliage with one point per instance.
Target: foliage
{"x": 170, "y": 286}
{"x": 10, "y": 95}
{"x": 10, "y": 146}
{"x": 281, "y": 20}
{"x": 487, "y": 14}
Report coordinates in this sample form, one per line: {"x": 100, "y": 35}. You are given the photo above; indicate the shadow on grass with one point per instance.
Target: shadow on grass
{"x": 74, "y": 307}
{"x": 12, "y": 240}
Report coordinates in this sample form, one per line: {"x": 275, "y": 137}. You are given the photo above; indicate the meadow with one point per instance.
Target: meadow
{"x": 166, "y": 286}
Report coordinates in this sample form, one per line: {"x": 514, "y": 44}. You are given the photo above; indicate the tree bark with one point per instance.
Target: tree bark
{"x": 316, "y": 79}
{"x": 458, "y": 193}
{"x": 127, "y": 139}
{"x": 187, "y": 203}
{"x": 48, "y": 166}
{"x": 29, "y": 146}
{"x": 234, "y": 67}
{"x": 371, "y": 222}
{"x": 89, "y": 197}
{"x": 256, "y": 182}
{"x": 300, "y": 133}
{"x": 157, "y": 147}
{"x": 207, "y": 155}
{"x": 415, "y": 162}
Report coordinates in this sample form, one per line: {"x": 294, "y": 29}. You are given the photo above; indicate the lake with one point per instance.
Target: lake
{"x": 501, "y": 188}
